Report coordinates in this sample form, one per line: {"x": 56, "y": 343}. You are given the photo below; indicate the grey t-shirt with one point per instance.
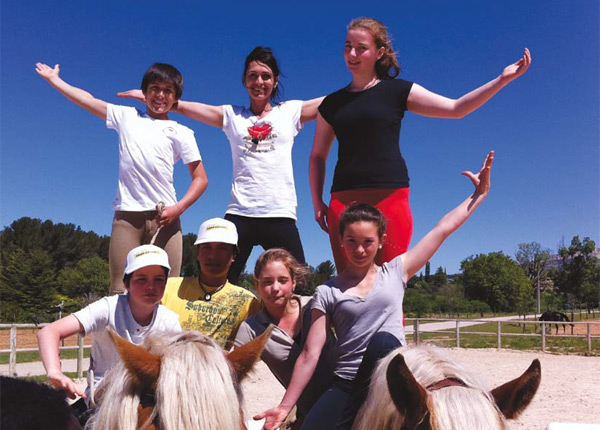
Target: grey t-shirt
{"x": 356, "y": 319}
{"x": 281, "y": 352}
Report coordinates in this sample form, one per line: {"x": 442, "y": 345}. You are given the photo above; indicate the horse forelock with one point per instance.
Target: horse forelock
{"x": 468, "y": 407}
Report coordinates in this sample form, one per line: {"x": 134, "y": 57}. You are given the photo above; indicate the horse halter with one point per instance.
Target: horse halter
{"x": 448, "y": 382}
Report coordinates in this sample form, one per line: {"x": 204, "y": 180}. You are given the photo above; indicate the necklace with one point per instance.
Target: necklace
{"x": 371, "y": 83}
{"x": 207, "y": 295}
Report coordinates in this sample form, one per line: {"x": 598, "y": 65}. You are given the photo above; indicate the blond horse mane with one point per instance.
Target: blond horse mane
{"x": 197, "y": 387}
{"x": 468, "y": 406}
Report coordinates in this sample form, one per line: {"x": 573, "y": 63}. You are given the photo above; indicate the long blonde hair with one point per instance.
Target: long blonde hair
{"x": 387, "y": 67}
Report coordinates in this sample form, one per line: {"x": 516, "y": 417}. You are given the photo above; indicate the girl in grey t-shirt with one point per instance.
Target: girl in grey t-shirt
{"x": 364, "y": 300}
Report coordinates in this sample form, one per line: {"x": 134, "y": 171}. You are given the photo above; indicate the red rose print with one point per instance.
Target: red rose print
{"x": 259, "y": 132}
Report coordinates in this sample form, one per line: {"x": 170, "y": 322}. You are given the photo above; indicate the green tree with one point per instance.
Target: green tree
{"x": 86, "y": 282}
{"x": 324, "y": 272}
{"x": 439, "y": 279}
{"x": 496, "y": 280}
{"x": 416, "y": 304}
{"x": 189, "y": 262}
{"x": 534, "y": 261}
{"x": 578, "y": 279}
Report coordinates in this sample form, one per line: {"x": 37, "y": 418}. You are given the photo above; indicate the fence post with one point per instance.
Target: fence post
{"x": 457, "y": 333}
{"x": 499, "y": 331}
{"x": 543, "y": 336}
{"x": 417, "y": 331}
{"x": 79, "y": 356}
{"x": 12, "y": 360}
{"x": 589, "y": 337}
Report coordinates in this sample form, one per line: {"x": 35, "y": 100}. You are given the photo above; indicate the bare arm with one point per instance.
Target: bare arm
{"x": 324, "y": 136}
{"x": 427, "y": 103}
{"x": 207, "y": 114}
{"x": 48, "y": 340}
{"x": 310, "y": 109}
{"x": 195, "y": 190}
{"x": 415, "y": 258}
{"x": 76, "y": 95}
{"x": 303, "y": 371}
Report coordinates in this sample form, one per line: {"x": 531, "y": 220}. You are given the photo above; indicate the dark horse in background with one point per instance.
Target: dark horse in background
{"x": 554, "y": 316}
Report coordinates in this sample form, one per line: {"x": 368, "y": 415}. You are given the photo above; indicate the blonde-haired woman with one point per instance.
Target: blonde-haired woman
{"x": 365, "y": 117}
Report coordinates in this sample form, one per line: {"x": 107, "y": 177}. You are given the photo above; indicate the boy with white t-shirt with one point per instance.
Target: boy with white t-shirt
{"x": 133, "y": 316}
{"x": 150, "y": 144}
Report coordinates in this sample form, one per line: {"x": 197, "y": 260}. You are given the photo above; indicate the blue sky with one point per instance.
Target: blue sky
{"x": 59, "y": 162}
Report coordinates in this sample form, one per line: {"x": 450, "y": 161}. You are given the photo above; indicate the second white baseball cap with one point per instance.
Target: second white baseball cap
{"x": 217, "y": 230}
{"x": 146, "y": 255}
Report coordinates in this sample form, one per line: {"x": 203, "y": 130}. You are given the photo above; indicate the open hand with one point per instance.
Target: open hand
{"x": 273, "y": 417}
{"x": 133, "y": 94}
{"x": 481, "y": 180}
{"x": 63, "y": 382}
{"x": 518, "y": 68}
{"x": 46, "y": 71}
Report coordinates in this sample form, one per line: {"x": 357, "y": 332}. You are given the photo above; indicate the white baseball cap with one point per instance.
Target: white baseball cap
{"x": 146, "y": 255}
{"x": 217, "y": 230}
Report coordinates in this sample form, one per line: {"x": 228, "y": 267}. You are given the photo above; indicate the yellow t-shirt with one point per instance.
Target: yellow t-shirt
{"x": 219, "y": 318}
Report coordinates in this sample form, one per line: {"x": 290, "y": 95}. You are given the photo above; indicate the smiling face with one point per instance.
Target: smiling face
{"x": 259, "y": 81}
{"x": 147, "y": 285}
{"x": 361, "y": 242}
{"x": 160, "y": 97}
{"x": 275, "y": 285}
{"x": 360, "y": 51}
{"x": 215, "y": 260}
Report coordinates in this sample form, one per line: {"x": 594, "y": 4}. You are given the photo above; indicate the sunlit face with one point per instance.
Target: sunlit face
{"x": 147, "y": 285}
{"x": 160, "y": 97}
{"x": 360, "y": 51}
{"x": 361, "y": 243}
{"x": 259, "y": 81}
{"x": 275, "y": 284}
{"x": 215, "y": 259}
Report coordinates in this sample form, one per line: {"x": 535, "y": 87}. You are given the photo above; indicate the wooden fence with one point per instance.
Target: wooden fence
{"x": 419, "y": 327}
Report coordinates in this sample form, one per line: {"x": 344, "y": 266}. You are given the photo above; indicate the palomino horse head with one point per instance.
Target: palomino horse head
{"x": 176, "y": 381}
{"x": 420, "y": 388}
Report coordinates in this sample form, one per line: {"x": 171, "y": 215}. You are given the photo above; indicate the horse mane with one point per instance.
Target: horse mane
{"x": 430, "y": 365}
{"x": 196, "y": 388}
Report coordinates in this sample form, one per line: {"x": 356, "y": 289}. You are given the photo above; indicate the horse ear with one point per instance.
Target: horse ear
{"x": 143, "y": 365}
{"x": 244, "y": 357}
{"x": 408, "y": 395}
{"x": 513, "y": 397}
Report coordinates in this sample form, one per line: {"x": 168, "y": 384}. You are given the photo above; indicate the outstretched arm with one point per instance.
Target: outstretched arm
{"x": 415, "y": 258}
{"x": 207, "y": 114}
{"x": 303, "y": 371}
{"x": 426, "y": 103}
{"x": 310, "y": 109}
{"x": 195, "y": 190}
{"x": 48, "y": 340}
{"x": 324, "y": 136}
{"x": 76, "y": 95}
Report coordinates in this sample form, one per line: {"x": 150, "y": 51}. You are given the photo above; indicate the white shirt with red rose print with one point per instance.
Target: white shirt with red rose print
{"x": 261, "y": 151}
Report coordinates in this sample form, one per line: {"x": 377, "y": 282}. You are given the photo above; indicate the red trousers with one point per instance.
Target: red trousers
{"x": 392, "y": 202}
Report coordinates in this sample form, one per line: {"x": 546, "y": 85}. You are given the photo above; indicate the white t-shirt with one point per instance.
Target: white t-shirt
{"x": 263, "y": 176}
{"x": 148, "y": 150}
{"x": 114, "y": 312}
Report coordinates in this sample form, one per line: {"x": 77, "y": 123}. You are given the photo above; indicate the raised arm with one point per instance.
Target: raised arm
{"x": 426, "y": 103}
{"x": 303, "y": 371}
{"x": 76, "y": 95}
{"x": 206, "y": 114}
{"x": 324, "y": 136}
{"x": 415, "y": 258}
{"x": 48, "y": 342}
{"x": 195, "y": 190}
{"x": 310, "y": 109}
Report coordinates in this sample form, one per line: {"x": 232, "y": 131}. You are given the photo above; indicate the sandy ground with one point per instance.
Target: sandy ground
{"x": 569, "y": 391}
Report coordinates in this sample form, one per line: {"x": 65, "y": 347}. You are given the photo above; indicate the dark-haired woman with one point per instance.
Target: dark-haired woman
{"x": 263, "y": 195}
{"x": 365, "y": 117}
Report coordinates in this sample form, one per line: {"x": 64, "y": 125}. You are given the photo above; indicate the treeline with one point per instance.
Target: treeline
{"x": 496, "y": 282}
{"x": 43, "y": 264}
